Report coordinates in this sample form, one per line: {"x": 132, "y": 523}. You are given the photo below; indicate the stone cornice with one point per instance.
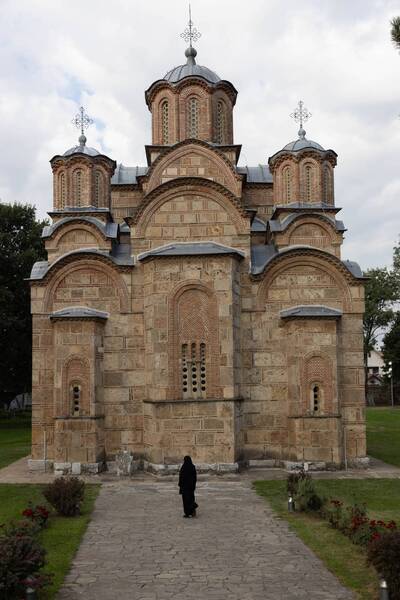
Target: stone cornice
{"x": 319, "y": 155}
{"x": 176, "y": 88}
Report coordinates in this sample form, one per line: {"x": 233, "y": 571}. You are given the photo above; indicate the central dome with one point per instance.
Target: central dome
{"x": 191, "y": 69}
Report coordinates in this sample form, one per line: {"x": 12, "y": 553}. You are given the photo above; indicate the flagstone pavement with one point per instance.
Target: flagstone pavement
{"x": 138, "y": 547}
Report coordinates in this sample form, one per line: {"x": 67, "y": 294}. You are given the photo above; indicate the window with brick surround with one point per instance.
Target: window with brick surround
{"x": 165, "y": 122}
{"x": 78, "y": 187}
{"x": 327, "y": 185}
{"x": 287, "y": 184}
{"x": 221, "y": 122}
{"x": 309, "y": 182}
{"x": 316, "y": 398}
{"x": 193, "y": 118}
{"x": 62, "y": 191}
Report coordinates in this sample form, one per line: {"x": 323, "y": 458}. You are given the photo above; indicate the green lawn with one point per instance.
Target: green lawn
{"x": 62, "y": 536}
{"x": 15, "y": 438}
{"x": 343, "y": 558}
{"x": 383, "y": 434}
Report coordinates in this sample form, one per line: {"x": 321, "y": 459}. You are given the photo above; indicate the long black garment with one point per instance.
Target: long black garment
{"x": 187, "y": 486}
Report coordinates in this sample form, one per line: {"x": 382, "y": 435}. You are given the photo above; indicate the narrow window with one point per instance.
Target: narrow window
{"x": 165, "y": 122}
{"x": 194, "y": 369}
{"x": 97, "y": 188}
{"x": 287, "y": 184}
{"x": 76, "y": 399}
{"x": 221, "y": 122}
{"x": 203, "y": 368}
{"x": 78, "y": 187}
{"x": 193, "y": 118}
{"x": 193, "y": 364}
{"x": 327, "y": 185}
{"x": 309, "y": 183}
{"x": 62, "y": 191}
{"x": 316, "y": 395}
{"x": 184, "y": 369}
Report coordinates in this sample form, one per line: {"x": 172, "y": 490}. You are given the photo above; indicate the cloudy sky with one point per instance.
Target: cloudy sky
{"x": 336, "y": 55}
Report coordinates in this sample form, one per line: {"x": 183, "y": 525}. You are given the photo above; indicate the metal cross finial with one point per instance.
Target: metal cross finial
{"x": 301, "y": 115}
{"x": 81, "y": 120}
{"x": 190, "y": 34}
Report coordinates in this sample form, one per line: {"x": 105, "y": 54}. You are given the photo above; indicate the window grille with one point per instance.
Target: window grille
{"x": 193, "y": 118}
{"x": 193, "y": 365}
{"x": 221, "y": 122}
{"x": 327, "y": 181}
{"x": 165, "y": 122}
{"x": 309, "y": 175}
{"x": 97, "y": 188}
{"x": 316, "y": 398}
{"x": 76, "y": 399}
{"x": 62, "y": 191}
{"x": 287, "y": 182}
{"x": 78, "y": 187}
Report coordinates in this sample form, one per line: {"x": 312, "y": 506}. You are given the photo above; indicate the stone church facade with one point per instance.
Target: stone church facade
{"x": 194, "y": 306}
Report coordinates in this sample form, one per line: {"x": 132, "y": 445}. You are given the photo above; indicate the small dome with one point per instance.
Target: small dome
{"x": 178, "y": 73}
{"x": 191, "y": 69}
{"x": 82, "y": 149}
{"x": 301, "y": 144}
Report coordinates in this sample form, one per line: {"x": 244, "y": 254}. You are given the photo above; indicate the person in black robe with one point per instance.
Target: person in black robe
{"x": 187, "y": 486}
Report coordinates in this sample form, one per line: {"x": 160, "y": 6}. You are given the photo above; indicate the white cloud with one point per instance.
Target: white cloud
{"x": 335, "y": 55}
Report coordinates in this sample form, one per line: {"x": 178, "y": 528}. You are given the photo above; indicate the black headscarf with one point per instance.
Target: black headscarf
{"x": 187, "y": 475}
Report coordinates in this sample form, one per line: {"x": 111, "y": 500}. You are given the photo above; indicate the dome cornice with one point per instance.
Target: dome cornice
{"x": 177, "y": 87}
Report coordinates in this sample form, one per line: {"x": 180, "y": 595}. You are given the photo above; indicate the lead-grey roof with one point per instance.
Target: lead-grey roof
{"x": 259, "y": 174}
{"x": 258, "y": 226}
{"x": 310, "y": 310}
{"x": 301, "y": 144}
{"x": 191, "y": 70}
{"x": 354, "y": 268}
{"x": 82, "y": 149}
{"x": 127, "y": 175}
{"x": 277, "y": 226}
{"x": 120, "y": 256}
{"x": 110, "y": 230}
{"x": 190, "y": 249}
{"x": 79, "y": 312}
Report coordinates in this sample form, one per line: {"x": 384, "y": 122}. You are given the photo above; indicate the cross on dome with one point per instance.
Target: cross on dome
{"x": 190, "y": 34}
{"x": 82, "y": 121}
{"x": 301, "y": 115}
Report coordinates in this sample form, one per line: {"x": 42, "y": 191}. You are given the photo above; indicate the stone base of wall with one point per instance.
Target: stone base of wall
{"x": 161, "y": 469}
{"x": 42, "y": 466}
{"x": 76, "y": 468}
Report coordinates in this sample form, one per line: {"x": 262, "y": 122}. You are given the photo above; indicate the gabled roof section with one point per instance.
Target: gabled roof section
{"x": 191, "y": 249}
{"x": 259, "y": 174}
{"x": 276, "y": 226}
{"x": 109, "y": 229}
{"x": 79, "y": 312}
{"x": 127, "y": 175}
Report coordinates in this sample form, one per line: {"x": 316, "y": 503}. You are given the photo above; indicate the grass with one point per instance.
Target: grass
{"x": 15, "y": 438}
{"x": 62, "y": 536}
{"x": 383, "y": 434}
{"x": 344, "y": 559}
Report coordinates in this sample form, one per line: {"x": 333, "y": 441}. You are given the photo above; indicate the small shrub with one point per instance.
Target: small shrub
{"x": 21, "y": 557}
{"x": 65, "y": 495}
{"x": 293, "y": 480}
{"x": 306, "y": 497}
{"x": 384, "y": 555}
{"x": 37, "y": 514}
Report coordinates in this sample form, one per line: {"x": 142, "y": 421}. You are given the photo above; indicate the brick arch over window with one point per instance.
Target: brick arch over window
{"x": 201, "y": 189}
{"x": 326, "y": 263}
{"x": 194, "y": 343}
{"x": 84, "y": 267}
{"x": 76, "y": 386}
{"x": 312, "y": 231}
{"x": 223, "y": 169}
{"x": 96, "y": 236}
{"x": 317, "y": 385}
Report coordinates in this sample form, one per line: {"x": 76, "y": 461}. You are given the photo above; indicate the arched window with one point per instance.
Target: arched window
{"x": 309, "y": 183}
{"x": 62, "y": 191}
{"x": 287, "y": 184}
{"x": 221, "y": 123}
{"x": 165, "y": 122}
{"x": 98, "y": 188}
{"x": 193, "y": 118}
{"x": 78, "y": 187}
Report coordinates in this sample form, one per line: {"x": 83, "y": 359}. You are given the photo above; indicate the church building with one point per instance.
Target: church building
{"x": 194, "y": 306}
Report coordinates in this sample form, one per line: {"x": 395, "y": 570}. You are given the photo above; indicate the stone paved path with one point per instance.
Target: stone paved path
{"x": 138, "y": 547}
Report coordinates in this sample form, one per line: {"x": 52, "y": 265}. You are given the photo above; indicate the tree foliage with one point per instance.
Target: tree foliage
{"x": 20, "y": 247}
{"x": 391, "y": 348}
{"x": 395, "y": 31}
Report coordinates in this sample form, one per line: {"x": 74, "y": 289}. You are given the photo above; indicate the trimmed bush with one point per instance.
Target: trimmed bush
{"x": 306, "y": 497}
{"x": 66, "y": 495}
{"x": 293, "y": 480}
{"x": 384, "y": 555}
{"x": 21, "y": 558}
